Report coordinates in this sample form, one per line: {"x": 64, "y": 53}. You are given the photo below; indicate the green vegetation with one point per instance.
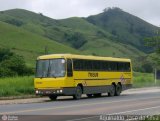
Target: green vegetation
{"x": 144, "y": 80}
{"x": 12, "y": 64}
{"x": 77, "y": 40}
{"x": 111, "y": 33}
{"x": 16, "y": 86}
{"x": 64, "y": 31}
{"x": 20, "y": 86}
{"x": 153, "y": 118}
{"x": 154, "y": 41}
{"x": 125, "y": 27}
{"x": 29, "y": 45}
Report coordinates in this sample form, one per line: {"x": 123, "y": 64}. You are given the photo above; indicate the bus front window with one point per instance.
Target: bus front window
{"x": 57, "y": 68}
{"x": 50, "y": 68}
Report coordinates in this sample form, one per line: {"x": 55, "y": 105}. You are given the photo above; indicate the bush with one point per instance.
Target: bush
{"x": 147, "y": 68}
{"x": 15, "y": 22}
{"x": 77, "y": 40}
{"x": 5, "y": 54}
{"x": 12, "y": 64}
{"x": 6, "y": 72}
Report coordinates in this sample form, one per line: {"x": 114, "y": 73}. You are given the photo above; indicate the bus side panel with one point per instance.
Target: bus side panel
{"x": 69, "y": 82}
{"x": 102, "y": 78}
{"x": 101, "y": 81}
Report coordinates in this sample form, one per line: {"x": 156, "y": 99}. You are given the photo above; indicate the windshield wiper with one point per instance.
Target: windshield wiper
{"x": 43, "y": 75}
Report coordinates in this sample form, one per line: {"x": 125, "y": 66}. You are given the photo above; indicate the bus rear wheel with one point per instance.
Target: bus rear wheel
{"x": 112, "y": 91}
{"x": 78, "y": 93}
{"x": 118, "y": 90}
{"x": 53, "y": 97}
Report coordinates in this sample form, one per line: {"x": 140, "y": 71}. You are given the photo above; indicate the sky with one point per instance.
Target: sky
{"x": 149, "y": 10}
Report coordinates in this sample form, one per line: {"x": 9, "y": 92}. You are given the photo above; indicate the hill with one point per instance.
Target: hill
{"x": 74, "y": 32}
{"x": 28, "y": 44}
{"x": 126, "y": 28}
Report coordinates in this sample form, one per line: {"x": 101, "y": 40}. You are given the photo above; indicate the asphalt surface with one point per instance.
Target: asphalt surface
{"x": 92, "y": 109}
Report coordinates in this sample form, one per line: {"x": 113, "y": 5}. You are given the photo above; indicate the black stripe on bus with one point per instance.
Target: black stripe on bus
{"x": 102, "y": 79}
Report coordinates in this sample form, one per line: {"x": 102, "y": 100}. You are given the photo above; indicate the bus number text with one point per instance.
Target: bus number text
{"x": 92, "y": 74}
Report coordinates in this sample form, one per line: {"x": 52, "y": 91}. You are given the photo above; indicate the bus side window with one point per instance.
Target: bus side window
{"x": 69, "y": 68}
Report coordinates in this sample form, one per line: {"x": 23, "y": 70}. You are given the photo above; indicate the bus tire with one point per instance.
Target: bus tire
{"x": 78, "y": 93}
{"x": 112, "y": 91}
{"x": 52, "y": 97}
{"x": 118, "y": 90}
{"x": 89, "y": 95}
{"x": 98, "y": 95}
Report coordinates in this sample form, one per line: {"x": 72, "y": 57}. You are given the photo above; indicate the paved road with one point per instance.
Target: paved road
{"x": 130, "y": 103}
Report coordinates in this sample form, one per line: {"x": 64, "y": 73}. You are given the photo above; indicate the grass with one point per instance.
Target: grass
{"x": 16, "y": 86}
{"x": 104, "y": 47}
{"x": 153, "y": 118}
{"x": 126, "y": 27}
{"x": 144, "y": 80}
{"x": 99, "y": 41}
{"x": 21, "y": 86}
{"x": 29, "y": 45}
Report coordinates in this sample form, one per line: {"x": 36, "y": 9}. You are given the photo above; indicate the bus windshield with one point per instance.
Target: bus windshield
{"x": 50, "y": 68}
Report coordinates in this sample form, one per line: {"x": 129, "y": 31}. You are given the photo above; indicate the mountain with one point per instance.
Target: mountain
{"x": 28, "y": 44}
{"x": 127, "y": 28}
{"x": 111, "y": 33}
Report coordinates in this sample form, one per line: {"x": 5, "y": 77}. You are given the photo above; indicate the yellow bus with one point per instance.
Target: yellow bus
{"x": 74, "y": 75}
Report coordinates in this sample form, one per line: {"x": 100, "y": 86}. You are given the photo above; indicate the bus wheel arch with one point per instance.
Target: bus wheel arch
{"x": 80, "y": 86}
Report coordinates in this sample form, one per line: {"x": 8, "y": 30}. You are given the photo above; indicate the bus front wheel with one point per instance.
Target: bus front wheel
{"x": 78, "y": 93}
{"x": 53, "y": 97}
{"x": 112, "y": 91}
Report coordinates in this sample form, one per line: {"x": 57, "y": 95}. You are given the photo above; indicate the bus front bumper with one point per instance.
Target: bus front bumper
{"x": 61, "y": 91}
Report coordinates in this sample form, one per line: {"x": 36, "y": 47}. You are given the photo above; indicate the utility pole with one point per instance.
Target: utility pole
{"x": 46, "y": 50}
{"x": 155, "y": 76}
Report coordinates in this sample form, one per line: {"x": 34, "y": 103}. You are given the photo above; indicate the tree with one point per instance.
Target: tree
{"x": 15, "y": 22}
{"x": 5, "y": 54}
{"x": 106, "y": 9}
{"x": 154, "y": 42}
{"x": 147, "y": 67}
{"x": 12, "y": 64}
{"x": 77, "y": 39}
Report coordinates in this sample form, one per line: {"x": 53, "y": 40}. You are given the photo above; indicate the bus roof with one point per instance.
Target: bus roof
{"x": 89, "y": 57}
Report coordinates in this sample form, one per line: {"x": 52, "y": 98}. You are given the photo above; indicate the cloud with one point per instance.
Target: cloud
{"x": 11, "y": 4}
{"x": 67, "y": 8}
{"x": 145, "y": 9}
{"x": 59, "y": 9}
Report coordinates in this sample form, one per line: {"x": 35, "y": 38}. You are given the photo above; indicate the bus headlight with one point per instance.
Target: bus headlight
{"x": 36, "y": 91}
{"x": 61, "y": 91}
{"x": 57, "y": 91}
